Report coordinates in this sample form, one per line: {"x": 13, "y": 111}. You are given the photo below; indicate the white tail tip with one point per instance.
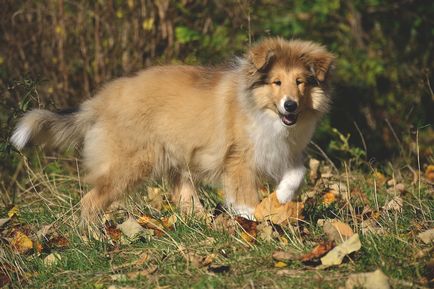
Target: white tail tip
{"x": 21, "y": 136}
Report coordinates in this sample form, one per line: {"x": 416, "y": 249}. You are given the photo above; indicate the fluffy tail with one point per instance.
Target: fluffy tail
{"x": 53, "y": 129}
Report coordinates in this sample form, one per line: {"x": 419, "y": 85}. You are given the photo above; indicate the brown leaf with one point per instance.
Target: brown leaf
{"x": 113, "y": 232}
{"x": 429, "y": 173}
{"x": 225, "y": 223}
{"x": 58, "y": 242}
{"x": 199, "y": 261}
{"x": 266, "y": 232}
{"x": 285, "y": 256}
{"x": 337, "y": 231}
{"x": 270, "y": 209}
{"x": 314, "y": 169}
{"x": 155, "y": 198}
{"x": 4, "y": 279}
{"x": 169, "y": 222}
{"x": 20, "y": 242}
{"x": 427, "y": 236}
{"x": 317, "y": 252}
{"x": 134, "y": 275}
{"x": 371, "y": 280}
{"x": 394, "y": 205}
{"x": 219, "y": 268}
{"x": 335, "y": 256}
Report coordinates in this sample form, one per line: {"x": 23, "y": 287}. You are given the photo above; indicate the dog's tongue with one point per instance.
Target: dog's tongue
{"x": 289, "y": 119}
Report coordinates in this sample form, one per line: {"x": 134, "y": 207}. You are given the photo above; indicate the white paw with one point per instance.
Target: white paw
{"x": 244, "y": 211}
{"x": 285, "y": 195}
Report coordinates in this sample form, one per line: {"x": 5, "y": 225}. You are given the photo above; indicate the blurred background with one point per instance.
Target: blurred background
{"x": 55, "y": 54}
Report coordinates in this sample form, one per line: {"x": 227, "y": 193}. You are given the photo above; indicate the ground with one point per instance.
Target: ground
{"x": 43, "y": 245}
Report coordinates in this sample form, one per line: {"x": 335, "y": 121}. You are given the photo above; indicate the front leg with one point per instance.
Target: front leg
{"x": 291, "y": 181}
{"x": 240, "y": 188}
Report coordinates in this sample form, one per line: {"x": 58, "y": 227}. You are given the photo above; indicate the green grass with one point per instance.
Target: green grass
{"x": 52, "y": 195}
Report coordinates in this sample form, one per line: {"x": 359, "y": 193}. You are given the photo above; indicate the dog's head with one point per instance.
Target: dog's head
{"x": 288, "y": 78}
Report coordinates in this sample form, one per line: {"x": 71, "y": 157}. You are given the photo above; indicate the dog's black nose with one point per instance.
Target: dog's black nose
{"x": 290, "y": 106}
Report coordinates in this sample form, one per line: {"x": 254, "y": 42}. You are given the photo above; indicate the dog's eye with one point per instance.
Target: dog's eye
{"x": 277, "y": 82}
{"x": 298, "y": 81}
{"x": 311, "y": 80}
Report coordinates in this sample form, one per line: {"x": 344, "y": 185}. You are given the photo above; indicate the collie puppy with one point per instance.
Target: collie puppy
{"x": 235, "y": 127}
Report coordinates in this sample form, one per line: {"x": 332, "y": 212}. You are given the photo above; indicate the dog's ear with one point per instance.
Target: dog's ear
{"x": 322, "y": 62}
{"x": 261, "y": 56}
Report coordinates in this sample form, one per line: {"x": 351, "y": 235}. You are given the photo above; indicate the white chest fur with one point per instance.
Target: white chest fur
{"x": 278, "y": 148}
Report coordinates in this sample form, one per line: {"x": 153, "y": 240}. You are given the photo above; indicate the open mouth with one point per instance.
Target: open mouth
{"x": 289, "y": 119}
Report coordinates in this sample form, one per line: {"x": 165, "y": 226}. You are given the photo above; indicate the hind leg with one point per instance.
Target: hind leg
{"x": 101, "y": 197}
{"x": 185, "y": 195}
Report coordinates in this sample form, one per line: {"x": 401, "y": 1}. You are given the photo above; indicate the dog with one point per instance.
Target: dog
{"x": 234, "y": 126}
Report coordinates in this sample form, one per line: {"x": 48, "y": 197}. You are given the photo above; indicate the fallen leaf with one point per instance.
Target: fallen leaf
{"x": 58, "y": 242}
{"x": 335, "y": 256}
{"x": 429, "y": 271}
{"x": 52, "y": 259}
{"x": 169, "y": 222}
{"x": 285, "y": 256}
{"x": 21, "y": 243}
{"x": 427, "y": 237}
{"x": 280, "y": 264}
{"x": 288, "y": 272}
{"x": 429, "y": 173}
{"x": 134, "y": 275}
{"x": 371, "y": 280}
{"x": 359, "y": 197}
{"x": 155, "y": 198}
{"x": 394, "y": 205}
{"x": 249, "y": 229}
{"x": 44, "y": 231}
{"x": 247, "y": 237}
{"x": 328, "y": 198}
{"x": 314, "y": 169}
{"x": 199, "y": 261}
{"x": 14, "y": 211}
{"x": 113, "y": 231}
{"x": 379, "y": 178}
{"x": 270, "y": 209}
{"x": 219, "y": 268}
{"x": 4, "y": 221}
{"x": 337, "y": 231}
{"x": 337, "y": 188}
{"x": 371, "y": 226}
{"x": 151, "y": 223}
{"x": 224, "y": 222}
{"x": 131, "y": 228}
{"x": 4, "y": 279}
{"x": 39, "y": 247}
{"x": 317, "y": 252}
{"x": 265, "y": 232}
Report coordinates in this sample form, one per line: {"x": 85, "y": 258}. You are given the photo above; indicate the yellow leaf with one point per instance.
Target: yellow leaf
{"x": 270, "y": 209}
{"x": 429, "y": 173}
{"x": 337, "y": 231}
{"x": 247, "y": 237}
{"x": 168, "y": 222}
{"x": 21, "y": 243}
{"x": 280, "y": 264}
{"x": 14, "y": 211}
{"x": 148, "y": 24}
{"x": 379, "y": 178}
{"x": 328, "y": 198}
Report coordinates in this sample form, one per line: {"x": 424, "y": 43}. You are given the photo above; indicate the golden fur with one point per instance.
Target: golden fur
{"x": 193, "y": 124}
